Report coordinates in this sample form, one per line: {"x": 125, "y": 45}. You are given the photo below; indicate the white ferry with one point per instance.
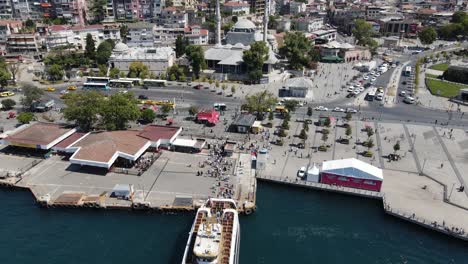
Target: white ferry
{"x": 215, "y": 234}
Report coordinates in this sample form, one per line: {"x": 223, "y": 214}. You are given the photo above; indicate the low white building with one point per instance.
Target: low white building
{"x": 237, "y": 8}
{"x": 156, "y": 59}
{"x": 299, "y": 87}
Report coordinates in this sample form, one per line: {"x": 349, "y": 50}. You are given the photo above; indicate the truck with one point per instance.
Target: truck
{"x": 39, "y": 106}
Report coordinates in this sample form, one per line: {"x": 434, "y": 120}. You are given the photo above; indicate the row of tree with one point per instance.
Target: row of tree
{"x": 194, "y": 54}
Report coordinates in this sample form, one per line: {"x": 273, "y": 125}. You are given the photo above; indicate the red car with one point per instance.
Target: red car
{"x": 198, "y": 87}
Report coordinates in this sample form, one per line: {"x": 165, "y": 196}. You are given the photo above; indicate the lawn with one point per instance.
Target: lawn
{"x": 446, "y": 89}
{"x": 432, "y": 75}
{"x": 440, "y": 67}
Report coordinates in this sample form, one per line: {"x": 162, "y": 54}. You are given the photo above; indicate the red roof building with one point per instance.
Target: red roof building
{"x": 208, "y": 116}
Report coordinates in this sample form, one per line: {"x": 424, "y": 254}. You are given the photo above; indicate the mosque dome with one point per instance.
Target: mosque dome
{"x": 244, "y": 24}
{"x": 120, "y": 48}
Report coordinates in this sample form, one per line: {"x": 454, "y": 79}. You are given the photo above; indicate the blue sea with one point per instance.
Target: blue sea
{"x": 291, "y": 225}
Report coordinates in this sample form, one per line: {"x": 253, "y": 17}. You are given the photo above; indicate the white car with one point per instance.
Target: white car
{"x": 372, "y": 72}
{"x": 351, "y": 88}
{"x": 403, "y": 93}
{"x": 358, "y": 84}
{"x": 337, "y": 109}
{"x": 301, "y": 172}
{"x": 373, "y": 79}
{"x": 361, "y": 89}
{"x": 377, "y": 74}
{"x": 356, "y": 92}
{"x": 366, "y": 77}
{"x": 393, "y": 65}
{"x": 409, "y": 100}
{"x": 379, "y": 97}
{"x": 321, "y": 108}
{"x": 351, "y": 110}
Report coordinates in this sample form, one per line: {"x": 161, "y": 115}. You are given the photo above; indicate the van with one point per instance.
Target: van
{"x": 379, "y": 97}
{"x": 409, "y": 100}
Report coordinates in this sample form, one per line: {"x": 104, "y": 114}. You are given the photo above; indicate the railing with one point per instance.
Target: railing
{"x": 322, "y": 186}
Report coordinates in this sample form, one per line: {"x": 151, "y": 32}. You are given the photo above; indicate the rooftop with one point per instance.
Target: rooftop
{"x": 352, "y": 168}
{"x": 244, "y": 120}
{"x": 141, "y": 53}
{"x": 299, "y": 82}
{"x": 70, "y": 140}
{"x": 39, "y": 134}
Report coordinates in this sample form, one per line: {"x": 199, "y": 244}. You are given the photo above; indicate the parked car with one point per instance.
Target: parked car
{"x": 320, "y": 108}
{"x": 351, "y": 110}
{"x": 198, "y": 87}
{"x": 351, "y": 88}
{"x": 403, "y": 93}
{"x": 337, "y": 109}
{"x": 373, "y": 79}
{"x": 142, "y": 97}
{"x": 50, "y": 89}
{"x": 71, "y": 88}
{"x": 409, "y": 100}
{"x": 301, "y": 172}
{"x": 366, "y": 77}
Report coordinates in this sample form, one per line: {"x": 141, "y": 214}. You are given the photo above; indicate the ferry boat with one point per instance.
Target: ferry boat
{"x": 215, "y": 234}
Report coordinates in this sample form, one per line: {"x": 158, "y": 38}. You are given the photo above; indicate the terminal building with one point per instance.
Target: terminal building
{"x": 352, "y": 173}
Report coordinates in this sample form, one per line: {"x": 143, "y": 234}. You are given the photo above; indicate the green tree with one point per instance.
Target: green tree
{"x": 305, "y": 126}
{"x": 370, "y": 143}
{"x": 327, "y": 122}
{"x": 55, "y": 72}
{"x": 181, "y": 45}
{"x": 104, "y": 51}
{"x": 303, "y": 134}
{"x": 177, "y": 71}
{"x": 348, "y": 131}
{"x": 165, "y": 109}
{"x": 285, "y": 124}
{"x": 114, "y": 73}
{"x": 138, "y": 69}
{"x": 197, "y": 59}
{"x": 348, "y": 117}
{"x": 396, "y": 147}
{"x": 296, "y": 49}
{"x": 5, "y": 76}
{"x": 102, "y": 70}
{"x": 118, "y": 110}
{"x": 291, "y": 105}
{"x": 8, "y": 104}
{"x": 172, "y": 77}
{"x": 90, "y": 49}
{"x": 428, "y": 35}
{"x": 254, "y": 58}
{"x": 282, "y": 132}
{"x": 193, "y": 110}
{"x": 84, "y": 108}
{"x": 309, "y": 111}
{"x": 124, "y": 32}
{"x": 30, "y": 24}
{"x": 271, "y": 116}
{"x": 326, "y": 131}
{"x": 13, "y": 68}
{"x": 233, "y": 89}
{"x": 369, "y": 131}
{"x": 459, "y": 17}
{"x": 98, "y": 9}
{"x": 451, "y": 31}
{"x": 363, "y": 33}
{"x": 25, "y": 117}
{"x": 259, "y": 103}
{"x": 217, "y": 84}
{"x": 324, "y": 139}
{"x": 147, "y": 115}
{"x": 31, "y": 94}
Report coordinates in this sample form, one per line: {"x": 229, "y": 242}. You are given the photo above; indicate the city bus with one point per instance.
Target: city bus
{"x": 95, "y": 86}
{"x": 148, "y": 83}
{"x": 119, "y": 83}
{"x": 135, "y": 81}
{"x": 98, "y": 80}
{"x": 407, "y": 71}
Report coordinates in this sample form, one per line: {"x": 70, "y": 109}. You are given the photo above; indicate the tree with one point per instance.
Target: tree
{"x": 272, "y": 23}
{"x": 25, "y": 117}
{"x": 309, "y": 111}
{"x": 8, "y": 104}
{"x": 428, "y": 35}
{"x": 396, "y": 147}
{"x": 451, "y": 31}
{"x": 197, "y": 59}
{"x": 254, "y": 58}
{"x": 233, "y": 89}
{"x": 13, "y": 68}
{"x": 114, "y": 73}
{"x": 31, "y": 94}
{"x": 5, "y": 76}
{"x": 285, "y": 124}
{"x": 84, "y": 108}
{"x": 172, "y": 77}
{"x": 98, "y": 9}
{"x": 305, "y": 126}
{"x": 217, "y": 84}
{"x": 30, "y": 24}
{"x": 282, "y": 132}
{"x": 181, "y": 45}
{"x": 325, "y": 131}
{"x": 123, "y": 32}
{"x": 459, "y": 17}
{"x": 55, "y": 72}
{"x": 363, "y": 33}
{"x": 271, "y": 116}
{"x": 296, "y": 49}
{"x": 370, "y": 143}
{"x": 104, "y": 51}
{"x": 290, "y": 105}
{"x": 369, "y": 131}
{"x": 118, "y": 110}
{"x": 348, "y": 117}
{"x": 324, "y": 139}
{"x": 176, "y": 71}
{"x": 147, "y": 115}
{"x": 90, "y": 49}
{"x": 138, "y": 69}
{"x": 259, "y": 103}
{"x": 166, "y": 109}
{"x": 348, "y": 131}
{"x": 327, "y": 122}
{"x": 193, "y": 110}
{"x": 303, "y": 134}
{"x": 102, "y": 70}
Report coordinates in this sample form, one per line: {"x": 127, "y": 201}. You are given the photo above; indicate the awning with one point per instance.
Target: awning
{"x": 332, "y": 59}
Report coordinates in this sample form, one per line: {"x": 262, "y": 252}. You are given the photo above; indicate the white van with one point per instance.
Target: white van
{"x": 409, "y": 100}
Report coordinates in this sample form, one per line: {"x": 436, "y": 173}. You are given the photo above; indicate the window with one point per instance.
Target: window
{"x": 343, "y": 179}
{"x": 331, "y": 177}
{"x": 369, "y": 183}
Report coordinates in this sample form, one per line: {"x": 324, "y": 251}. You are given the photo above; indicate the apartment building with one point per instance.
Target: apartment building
{"x": 72, "y": 10}
{"x": 8, "y": 27}
{"x": 141, "y": 34}
{"x": 6, "y": 9}
{"x": 126, "y": 10}
{"x": 173, "y": 17}
{"x": 23, "y": 43}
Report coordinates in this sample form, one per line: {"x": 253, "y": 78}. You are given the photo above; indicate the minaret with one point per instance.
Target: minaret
{"x": 218, "y": 24}
{"x": 265, "y": 20}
